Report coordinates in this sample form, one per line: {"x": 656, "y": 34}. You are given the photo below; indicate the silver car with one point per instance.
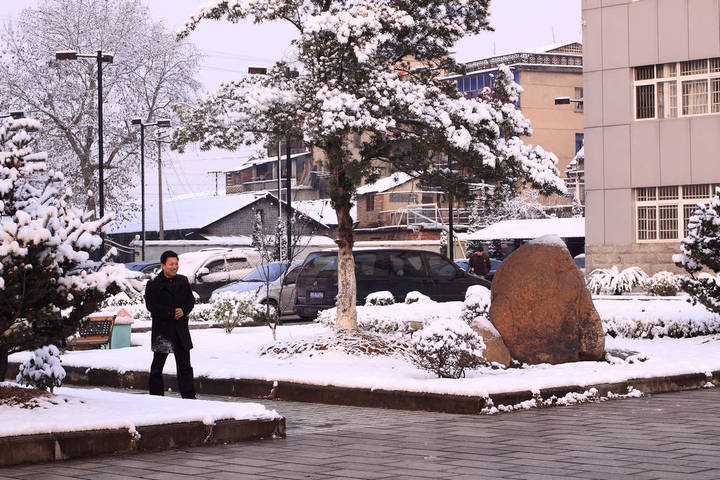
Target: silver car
{"x": 271, "y": 293}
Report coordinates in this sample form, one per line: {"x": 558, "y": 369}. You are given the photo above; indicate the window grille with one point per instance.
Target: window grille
{"x": 688, "y": 210}
{"x": 667, "y": 99}
{"x": 695, "y": 97}
{"x": 715, "y": 95}
{"x": 667, "y": 70}
{"x": 645, "y": 101}
{"x": 714, "y": 65}
{"x": 693, "y": 67}
{"x": 645, "y": 73}
{"x": 579, "y": 95}
{"x": 695, "y": 191}
{"x": 645, "y": 194}
{"x": 668, "y": 222}
{"x": 647, "y": 223}
{"x": 667, "y": 193}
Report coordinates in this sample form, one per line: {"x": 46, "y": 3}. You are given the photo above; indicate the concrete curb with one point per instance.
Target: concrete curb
{"x": 50, "y": 447}
{"x": 378, "y": 398}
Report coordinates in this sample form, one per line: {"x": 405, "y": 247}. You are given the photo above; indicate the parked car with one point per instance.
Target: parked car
{"x": 212, "y": 268}
{"x": 464, "y": 263}
{"x": 267, "y": 281}
{"x": 580, "y": 262}
{"x": 395, "y": 270}
{"x": 143, "y": 267}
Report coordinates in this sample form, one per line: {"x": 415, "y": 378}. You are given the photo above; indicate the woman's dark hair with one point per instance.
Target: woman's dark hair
{"x": 167, "y": 254}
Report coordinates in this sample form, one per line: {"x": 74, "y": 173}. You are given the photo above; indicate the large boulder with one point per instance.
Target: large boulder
{"x": 495, "y": 349}
{"x": 542, "y": 308}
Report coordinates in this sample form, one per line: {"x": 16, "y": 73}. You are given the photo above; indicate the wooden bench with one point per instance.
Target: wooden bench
{"x": 95, "y": 330}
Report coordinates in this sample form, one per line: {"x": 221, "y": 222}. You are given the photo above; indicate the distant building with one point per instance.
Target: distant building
{"x": 652, "y": 125}
{"x": 544, "y": 73}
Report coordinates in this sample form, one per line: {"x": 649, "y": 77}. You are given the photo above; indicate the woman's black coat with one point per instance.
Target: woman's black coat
{"x": 162, "y": 297}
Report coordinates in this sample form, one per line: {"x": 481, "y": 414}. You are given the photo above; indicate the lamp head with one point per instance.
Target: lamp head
{"x": 17, "y": 114}
{"x": 562, "y": 100}
{"x": 136, "y": 121}
{"x": 163, "y": 123}
{"x": 66, "y": 55}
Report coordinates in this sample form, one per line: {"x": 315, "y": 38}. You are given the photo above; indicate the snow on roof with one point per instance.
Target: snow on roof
{"x": 187, "y": 213}
{"x": 262, "y": 160}
{"x": 533, "y": 228}
{"x": 549, "y": 48}
{"x": 321, "y": 211}
{"x": 385, "y": 184}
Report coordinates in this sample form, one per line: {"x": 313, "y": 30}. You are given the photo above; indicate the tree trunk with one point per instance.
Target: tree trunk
{"x": 3, "y": 363}
{"x": 347, "y": 292}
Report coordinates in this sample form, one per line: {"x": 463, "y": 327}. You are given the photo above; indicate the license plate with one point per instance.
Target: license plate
{"x": 317, "y": 294}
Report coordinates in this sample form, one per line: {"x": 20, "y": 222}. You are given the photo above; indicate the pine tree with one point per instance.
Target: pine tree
{"x": 356, "y": 77}
{"x": 701, "y": 250}
{"x": 47, "y": 281}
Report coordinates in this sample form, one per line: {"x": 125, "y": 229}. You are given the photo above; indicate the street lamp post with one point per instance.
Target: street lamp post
{"x": 163, "y": 123}
{"x": 101, "y": 58}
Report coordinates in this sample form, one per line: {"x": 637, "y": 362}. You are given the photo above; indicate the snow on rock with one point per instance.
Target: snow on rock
{"x": 552, "y": 240}
{"x": 75, "y": 409}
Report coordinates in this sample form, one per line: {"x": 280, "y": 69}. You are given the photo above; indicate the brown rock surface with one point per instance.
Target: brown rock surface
{"x": 495, "y": 349}
{"x": 542, "y": 308}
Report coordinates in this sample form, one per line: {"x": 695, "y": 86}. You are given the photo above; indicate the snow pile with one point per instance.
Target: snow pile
{"x": 651, "y": 317}
{"x": 380, "y": 298}
{"x": 43, "y": 370}
{"x": 552, "y": 240}
{"x": 570, "y": 398}
{"x": 417, "y": 297}
{"x": 75, "y": 409}
{"x": 476, "y": 306}
{"x": 611, "y": 281}
{"x": 448, "y": 348}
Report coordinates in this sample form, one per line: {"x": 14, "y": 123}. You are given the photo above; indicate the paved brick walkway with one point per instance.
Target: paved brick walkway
{"x": 665, "y": 436}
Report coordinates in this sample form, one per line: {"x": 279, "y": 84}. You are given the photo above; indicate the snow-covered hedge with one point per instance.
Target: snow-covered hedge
{"x": 380, "y": 298}
{"x": 43, "y": 370}
{"x": 447, "y": 348}
{"x": 645, "y": 318}
{"x": 611, "y": 281}
{"x": 417, "y": 297}
{"x": 476, "y": 304}
{"x": 664, "y": 284}
{"x": 231, "y": 309}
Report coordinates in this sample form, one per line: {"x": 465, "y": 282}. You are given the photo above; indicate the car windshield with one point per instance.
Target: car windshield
{"x": 264, "y": 273}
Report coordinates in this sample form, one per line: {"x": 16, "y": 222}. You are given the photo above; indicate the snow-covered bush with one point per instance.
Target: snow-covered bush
{"x": 380, "y": 298}
{"x": 48, "y": 283}
{"x": 476, "y": 304}
{"x": 417, "y": 297}
{"x": 232, "y": 309}
{"x": 663, "y": 284}
{"x": 43, "y": 370}
{"x": 447, "y": 348}
{"x": 611, "y": 281}
{"x": 202, "y": 313}
{"x": 701, "y": 250}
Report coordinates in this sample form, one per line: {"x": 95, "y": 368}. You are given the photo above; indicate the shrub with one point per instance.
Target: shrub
{"x": 43, "y": 370}
{"x": 477, "y": 304}
{"x": 611, "y": 281}
{"x": 662, "y": 284}
{"x": 417, "y": 297}
{"x": 233, "y": 309}
{"x": 380, "y": 298}
{"x": 447, "y": 348}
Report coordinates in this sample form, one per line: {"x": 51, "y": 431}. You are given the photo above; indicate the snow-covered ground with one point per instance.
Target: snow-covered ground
{"x": 237, "y": 355}
{"x": 75, "y": 409}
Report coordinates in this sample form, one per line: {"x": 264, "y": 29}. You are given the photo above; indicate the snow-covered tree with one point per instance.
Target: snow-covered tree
{"x": 371, "y": 70}
{"x": 47, "y": 281}
{"x": 612, "y": 281}
{"x": 150, "y": 71}
{"x": 700, "y": 250}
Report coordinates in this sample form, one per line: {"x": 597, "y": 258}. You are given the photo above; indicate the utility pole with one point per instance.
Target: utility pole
{"x": 279, "y": 196}
{"x": 216, "y": 172}
{"x": 451, "y": 243}
{"x": 288, "y": 213}
{"x": 161, "y": 223}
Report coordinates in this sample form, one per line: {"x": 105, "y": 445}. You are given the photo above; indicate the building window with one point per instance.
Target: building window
{"x": 370, "y": 202}
{"x": 579, "y": 95}
{"x": 674, "y": 90}
{"x": 579, "y": 139}
{"x": 663, "y": 212}
{"x": 404, "y": 197}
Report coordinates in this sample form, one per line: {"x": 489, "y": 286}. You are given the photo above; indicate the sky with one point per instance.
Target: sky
{"x": 229, "y": 49}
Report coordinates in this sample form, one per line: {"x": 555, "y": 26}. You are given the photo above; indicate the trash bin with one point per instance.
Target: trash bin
{"x": 121, "y": 329}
